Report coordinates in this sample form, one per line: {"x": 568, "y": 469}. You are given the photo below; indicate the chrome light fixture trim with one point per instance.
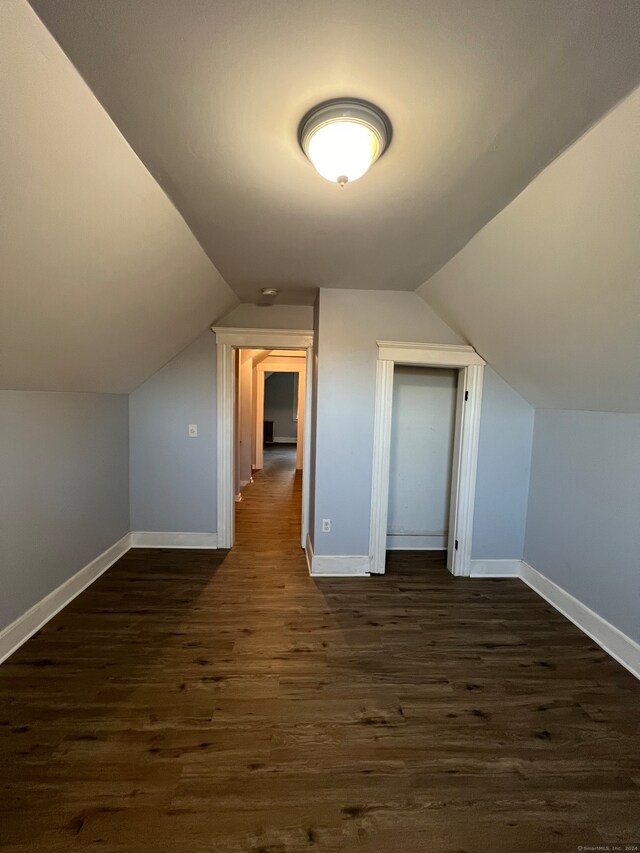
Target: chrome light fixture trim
{"x": 361, "y": 133}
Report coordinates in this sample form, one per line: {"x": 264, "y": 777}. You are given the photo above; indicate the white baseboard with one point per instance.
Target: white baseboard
{"x": 151, "y": 539}
{"x": 282, "y": 439}
{"x": 621, "y": 647}
{"x": 495, "y": 568}
{"x": 308, "y": 552}
{"x": 14, "y": 635}
{"x": 333, "y": 566}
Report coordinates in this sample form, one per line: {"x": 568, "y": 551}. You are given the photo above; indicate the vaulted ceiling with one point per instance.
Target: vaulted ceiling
{"x": 139, "y": 203}
{"x": 482, "y": 95}
{"x": 549, "y": 290}
{"x": 101, "y": 281}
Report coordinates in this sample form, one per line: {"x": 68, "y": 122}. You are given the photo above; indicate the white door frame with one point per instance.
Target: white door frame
{"x": 228, "y": 339}
{"x": 465, "y": 451}
{"x": 282, "y": 365}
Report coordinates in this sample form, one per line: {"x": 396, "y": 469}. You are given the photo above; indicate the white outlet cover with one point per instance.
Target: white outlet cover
{"x": 193, "y": 430}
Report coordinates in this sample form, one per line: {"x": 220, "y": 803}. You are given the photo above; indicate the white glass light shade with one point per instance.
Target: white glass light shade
{"x": 342, "y": 149}
{"x": 343, "y": 138}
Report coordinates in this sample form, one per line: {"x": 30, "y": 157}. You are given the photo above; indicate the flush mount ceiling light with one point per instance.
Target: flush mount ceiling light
{"x": 343, "y": 137}
{"x": 268, "y": 295}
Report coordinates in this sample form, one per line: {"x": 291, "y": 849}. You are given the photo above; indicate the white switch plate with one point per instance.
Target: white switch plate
{"x": 326, "y": 525}
{"x": 193, "y": 430}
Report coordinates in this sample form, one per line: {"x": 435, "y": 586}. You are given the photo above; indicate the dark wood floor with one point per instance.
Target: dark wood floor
{"x": 211, "y": 702}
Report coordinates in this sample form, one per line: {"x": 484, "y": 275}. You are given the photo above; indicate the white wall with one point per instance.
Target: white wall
{"x": 64, "y": 480}
{"x": 423, "y": 421}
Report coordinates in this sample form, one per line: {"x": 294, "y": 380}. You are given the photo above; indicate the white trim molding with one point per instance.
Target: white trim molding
{"x": 224, "y": 448}
{"x": 470, "y": 367}
{"x": 381, "y": 465}
{"x": 330, "y": 566}
{"x": 335, "y": 566}
{"x": 153, "y": 539}
{"x": 611, "y": 639}
{"x": 433, "y": 355}
{"x": 308, "y": 552}
{"x": 228, "y": 339}
{"x": 25, "y": 626}
{"x": 495, "y": 568}
{"x": 464, "y": 468}
{"x": 264, "y": 338}
{"x": 621, "y": 647}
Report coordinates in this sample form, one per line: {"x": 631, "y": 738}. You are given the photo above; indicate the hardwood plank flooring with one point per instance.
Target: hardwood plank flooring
{"x": 225, "y": 702}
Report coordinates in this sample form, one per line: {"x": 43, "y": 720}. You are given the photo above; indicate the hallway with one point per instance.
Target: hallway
{"x": 225, "y": 702}
{"x": 268, "y": 516}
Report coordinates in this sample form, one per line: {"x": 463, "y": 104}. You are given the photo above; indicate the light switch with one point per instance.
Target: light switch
{"x": 193, "y": 430}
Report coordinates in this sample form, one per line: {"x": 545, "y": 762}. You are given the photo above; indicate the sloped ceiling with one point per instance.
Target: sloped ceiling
{"x": 482, "y": 96}
{"x": 101, "y": 280}
{"x": 549, "y": 291}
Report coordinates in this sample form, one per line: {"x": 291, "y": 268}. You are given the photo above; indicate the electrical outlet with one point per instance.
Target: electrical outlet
{"x": 326, "y": 525}
{"x": 193, "y": 430}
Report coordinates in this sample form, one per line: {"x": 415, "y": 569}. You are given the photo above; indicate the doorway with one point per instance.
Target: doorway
{"x": 269, "y": 391}
{"x": 229, "y": 341}
{"x": 470, "y": 368}
{"x": 421, "y": 455}
{"x": 283, "y": 374}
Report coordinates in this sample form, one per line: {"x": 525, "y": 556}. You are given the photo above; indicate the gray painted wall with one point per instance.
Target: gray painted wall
{"x": 350, "y": 323}
{"x": 279, "y": 389}
{"x": 547, "y": 292}
{"x": 583, "y": 529}
{"x": 64, "y": 469}
{"x": 504, "y": 462}
{"x": 173, "y": 477}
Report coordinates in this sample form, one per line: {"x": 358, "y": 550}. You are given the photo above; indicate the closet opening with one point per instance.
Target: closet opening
{"x": 438, "y": 396}
{"x": 420, "y": 462}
